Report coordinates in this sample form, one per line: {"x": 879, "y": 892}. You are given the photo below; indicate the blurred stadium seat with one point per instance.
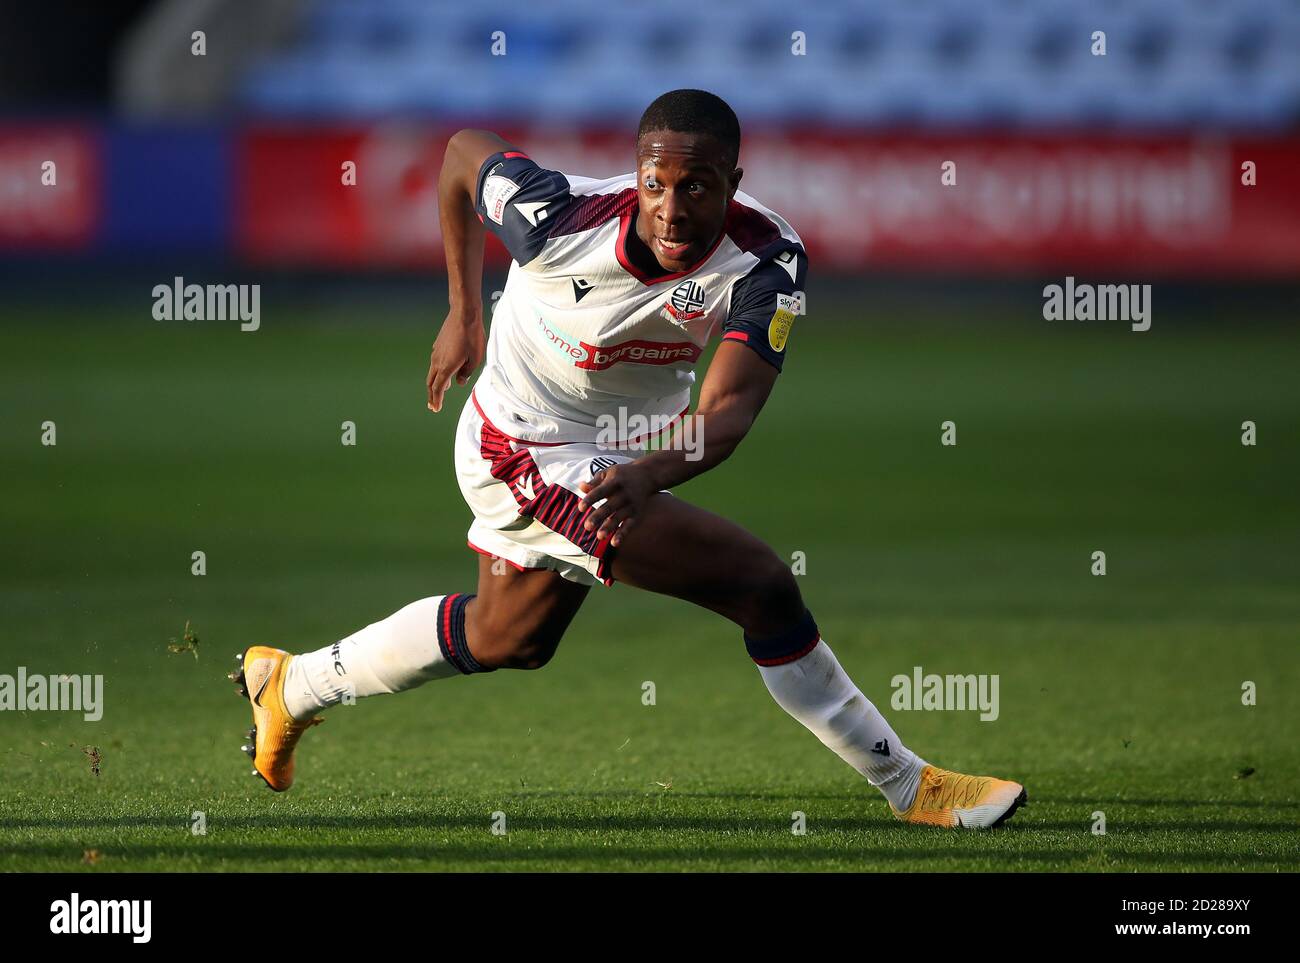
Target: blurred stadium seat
{"x": 937, "y": 63}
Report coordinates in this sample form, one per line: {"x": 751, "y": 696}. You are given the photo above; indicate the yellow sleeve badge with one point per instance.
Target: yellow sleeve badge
{"x": 788, "y": 306}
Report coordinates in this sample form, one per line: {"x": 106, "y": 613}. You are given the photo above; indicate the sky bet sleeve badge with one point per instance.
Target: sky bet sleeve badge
{"x": 778, "y": 329}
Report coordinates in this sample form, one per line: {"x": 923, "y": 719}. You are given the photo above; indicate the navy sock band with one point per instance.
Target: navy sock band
{"x": 794, "y": 643}
{"x": 451, "y": 634}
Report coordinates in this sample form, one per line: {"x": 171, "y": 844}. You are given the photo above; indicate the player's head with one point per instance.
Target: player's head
{"x": 687, "y": 147}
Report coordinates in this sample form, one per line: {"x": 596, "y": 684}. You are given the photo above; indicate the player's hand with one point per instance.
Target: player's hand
{"x": 624, "y": 489}
{"x": 456, "y": 353}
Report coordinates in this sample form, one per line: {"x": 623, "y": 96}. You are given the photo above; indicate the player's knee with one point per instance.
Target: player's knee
{"x": 530, "y": 654}
{"x": 514, "y": 648}
{"x": 773, "y": 601}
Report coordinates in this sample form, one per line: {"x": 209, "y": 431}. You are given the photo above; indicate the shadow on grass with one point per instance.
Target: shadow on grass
{"x": 795, "y": 796}
{"x": 1094, "y": 801}
{"x": 622, "y": 823}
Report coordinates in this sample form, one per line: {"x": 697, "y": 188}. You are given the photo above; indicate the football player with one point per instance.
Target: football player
{"x": 616, "y": 287}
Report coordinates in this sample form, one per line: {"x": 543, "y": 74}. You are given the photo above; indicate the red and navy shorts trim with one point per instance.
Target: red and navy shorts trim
{"x": 553, "y": 505}
{"x": 451, "y": 634}
{"x": 790, "y": 645}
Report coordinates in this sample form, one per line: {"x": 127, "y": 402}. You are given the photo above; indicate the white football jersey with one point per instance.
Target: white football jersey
{"x": 585, "y": 337}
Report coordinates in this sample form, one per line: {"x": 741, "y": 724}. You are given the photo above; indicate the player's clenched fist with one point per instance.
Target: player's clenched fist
{"x": 621, "y": 492}
{"x": 456, "y": 353}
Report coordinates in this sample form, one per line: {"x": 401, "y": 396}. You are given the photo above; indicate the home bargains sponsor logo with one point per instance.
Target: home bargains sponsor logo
{"x": 561, "y": 341}
{"x": 637, "y": 352}
{"x": 591, "y": 357}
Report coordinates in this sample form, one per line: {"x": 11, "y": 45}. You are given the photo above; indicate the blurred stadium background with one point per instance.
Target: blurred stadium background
{"x": 1065, "y": 159}
{"x": 925, "y": 304}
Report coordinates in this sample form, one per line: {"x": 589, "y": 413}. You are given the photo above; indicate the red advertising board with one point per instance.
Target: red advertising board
{"x": 49, "y": 187}
{"x": 1167, "y": 206}
{"x": 344, "y": 198}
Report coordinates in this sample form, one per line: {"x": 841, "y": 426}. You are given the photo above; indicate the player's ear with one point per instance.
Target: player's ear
{"x": 733, "y": 181}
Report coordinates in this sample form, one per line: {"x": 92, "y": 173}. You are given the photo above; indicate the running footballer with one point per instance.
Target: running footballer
{"x": 617, "y": 286}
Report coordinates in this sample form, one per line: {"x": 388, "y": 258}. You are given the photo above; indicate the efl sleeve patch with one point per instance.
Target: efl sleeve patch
{"x": 518, "y": 201}
{"x": 497, "y": 190}
{"x": 765, "y": 302}
{"x": 788, "y": 307}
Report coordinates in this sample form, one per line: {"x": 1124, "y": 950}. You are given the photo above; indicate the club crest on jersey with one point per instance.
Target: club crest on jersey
{"x": 788, "y": 307}
{"x": 686, "y": 303}
{"x": 497, "y": 191}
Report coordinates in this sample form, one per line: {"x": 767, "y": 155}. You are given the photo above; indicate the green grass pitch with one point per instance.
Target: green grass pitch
{"x": 1119, "y": 694}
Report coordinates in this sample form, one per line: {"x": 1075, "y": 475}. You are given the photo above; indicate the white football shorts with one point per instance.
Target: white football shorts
{"x": 525, "y": 495}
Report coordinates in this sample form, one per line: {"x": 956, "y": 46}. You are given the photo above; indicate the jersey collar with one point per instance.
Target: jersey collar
{"x": 627, "y": 236}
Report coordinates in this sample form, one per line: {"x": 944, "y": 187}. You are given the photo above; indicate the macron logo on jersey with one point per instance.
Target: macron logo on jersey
{"x": 787, "y": 261}
{"x": 581, "y": 288}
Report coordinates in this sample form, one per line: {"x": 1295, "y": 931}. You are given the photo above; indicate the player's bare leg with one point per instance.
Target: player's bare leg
{"x": 681, "y": 550}
{"x": 518, "y": 617}
{"x": 515, "y": 621}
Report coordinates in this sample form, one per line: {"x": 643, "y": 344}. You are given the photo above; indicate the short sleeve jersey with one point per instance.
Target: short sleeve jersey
{"x": 584, "y": 338}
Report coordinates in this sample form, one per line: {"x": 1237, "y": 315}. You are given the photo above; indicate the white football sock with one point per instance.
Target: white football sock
{"x": 399, "y": 652}
{"x": 816, "y": 691}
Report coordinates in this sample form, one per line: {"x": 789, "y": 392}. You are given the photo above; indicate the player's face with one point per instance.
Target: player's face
{"x": 685, "y": 184}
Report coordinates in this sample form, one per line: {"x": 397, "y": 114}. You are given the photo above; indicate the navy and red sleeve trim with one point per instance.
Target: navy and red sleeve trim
{"x": 765, "y": 302}
{"x": 518, "y": 201}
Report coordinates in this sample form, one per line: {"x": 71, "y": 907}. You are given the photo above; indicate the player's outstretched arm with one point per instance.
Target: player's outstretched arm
{"x": 460, "y": 344}
{"x": 734, "y": 392}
